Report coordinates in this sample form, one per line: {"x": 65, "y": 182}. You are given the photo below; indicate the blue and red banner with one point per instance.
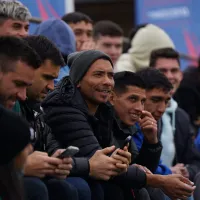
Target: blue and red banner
{"x": 179, "y": 18}
{"x": 45, "y": 9}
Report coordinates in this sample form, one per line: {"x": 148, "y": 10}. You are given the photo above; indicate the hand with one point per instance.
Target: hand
{"x": 102, "y": 166}
{"x": 123, "y": 157}
{"x": 63, "y": 169}
{"x": 39, "y": 164}
{"x": 180, "y": 169}
{"x": 81, "y": 46}
{"x": 146, "y": 170}
{"x": 149, "y": 127}
{"x": 177, "y": 187}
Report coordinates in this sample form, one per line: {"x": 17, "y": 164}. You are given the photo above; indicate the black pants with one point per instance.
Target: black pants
{"x": 197, "y": 190}
{"x": 50, "y": 189}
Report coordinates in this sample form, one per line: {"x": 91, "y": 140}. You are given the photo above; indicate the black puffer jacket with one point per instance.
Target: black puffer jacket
{"x": 67, "y": 114}
{"x": 44, "y": 140}
{"x": 149, "y": 154}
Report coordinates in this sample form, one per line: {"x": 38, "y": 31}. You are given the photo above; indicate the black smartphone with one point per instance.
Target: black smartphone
{"x": 69, "y": 152}
{"x": 126, "y": 141}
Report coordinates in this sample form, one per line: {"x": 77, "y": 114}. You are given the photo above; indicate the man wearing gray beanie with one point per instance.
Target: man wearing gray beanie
{"x": 70, "y": 112}
{"x": 80, "y": 62}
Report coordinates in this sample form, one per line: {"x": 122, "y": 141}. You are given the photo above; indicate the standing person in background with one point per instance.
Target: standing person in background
{"x": 14, "y": 18}
{"x": 108, "y": 38}
{"x": 14, "y": 148}
{"x": 144, "y": 41}
{"x": 63, "y": 38}
{"x": 82, "y": 26}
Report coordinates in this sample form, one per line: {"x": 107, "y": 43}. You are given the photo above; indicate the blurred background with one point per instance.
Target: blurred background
{"x": 179, "y": 18}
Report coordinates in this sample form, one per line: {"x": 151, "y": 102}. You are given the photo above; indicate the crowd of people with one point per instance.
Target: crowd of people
{"x": 125, "y": 105}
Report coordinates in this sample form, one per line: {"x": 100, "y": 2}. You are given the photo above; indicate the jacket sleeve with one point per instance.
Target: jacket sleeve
{"x": 133, "y": 178}
{"x": 71, "y": 128}
{"x": 186, "y": 150}
{"x": 162, "y": 169}
{"x": 81, "y": 167}
{"x": 149, "y": 154}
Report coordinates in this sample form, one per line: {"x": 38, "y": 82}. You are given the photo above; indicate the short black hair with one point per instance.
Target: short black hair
{"x": 168, "y": 52}
{"x": 45, "y": 49}
{"x": 75, "y": 17}
{"x": 14, "y": 49}
{"x": 107, "y": 28}
{"x": 126, "y": 78}
{"x": 154, "y": 79}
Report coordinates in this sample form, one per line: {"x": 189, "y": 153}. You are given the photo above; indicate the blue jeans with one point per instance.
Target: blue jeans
{"x": 49, "y": 189}
{"x": 82, "y": 187}
{"x": 167, "y": 198}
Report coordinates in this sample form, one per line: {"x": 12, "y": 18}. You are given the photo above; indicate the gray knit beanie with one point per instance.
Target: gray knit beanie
{"x": 80, "y": 62}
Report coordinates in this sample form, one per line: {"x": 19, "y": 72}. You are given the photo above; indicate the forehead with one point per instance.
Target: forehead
{"x": 49, "y": 67}
{"x": 13, "y": 21}
{"x": 134, "y": 90}
{"x": 81, "y": 25}
{"x": 110, "y": 40}
{"x": 166, "y": 63}
{"x": 101, "y": 65}
{"x": 23, "y": 72}
{"x": 157, "y": 92}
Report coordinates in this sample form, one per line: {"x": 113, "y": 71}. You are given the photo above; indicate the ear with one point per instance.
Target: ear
{"x": 79, "y": 84}
{"x": 181, "y": 76}
{"x": 112, "y": 98}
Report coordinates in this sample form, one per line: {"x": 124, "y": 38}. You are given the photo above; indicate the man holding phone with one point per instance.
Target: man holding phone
{"x": 128, "y": 99}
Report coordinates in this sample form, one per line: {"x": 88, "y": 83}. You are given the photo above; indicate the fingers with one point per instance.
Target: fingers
{"x": 125, "y": 154}
{"x": 57, "y": 153}
{"x": 148, "y": 122}
{"x": 53, "y": 161}
{"x": 62, "y": 172}
{"x": 186, "y": 181}
{"x": 187, "y": 190}
{"x": 67, "y": 160}
{"x": 121, "y": 166}
{"x": 107, "y": 150}
{"x": 122, "y": 157}
{"x": 146, "y": 113}
{"x": 65, "y": 167}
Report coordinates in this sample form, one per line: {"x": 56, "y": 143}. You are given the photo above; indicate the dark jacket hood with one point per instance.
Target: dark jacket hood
{"x": 65, "y": 93}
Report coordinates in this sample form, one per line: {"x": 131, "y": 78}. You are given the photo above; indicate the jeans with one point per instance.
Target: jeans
{"x": 82, "y": 187}
{"x": 49, "y": 189}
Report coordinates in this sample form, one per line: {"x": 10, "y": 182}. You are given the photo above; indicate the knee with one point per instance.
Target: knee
{"x": 82, "y": 187}
{"x": 35, "y": 188}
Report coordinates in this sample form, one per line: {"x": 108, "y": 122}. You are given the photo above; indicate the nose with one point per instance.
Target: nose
{"x": 50, "y": 85}
{"x": 139, "y": 107}
{"x": 169, "y": 74}
{"x": 109, "y": 81}
{"x": 113, "y": 50}
{"x": 84, "y": 37}
{"x": 23, "y": 33}
{"x": 21, "y": 95}
{"x": 161, "y": 107}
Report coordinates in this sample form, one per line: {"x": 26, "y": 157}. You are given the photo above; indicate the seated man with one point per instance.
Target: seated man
{"x": 156, "y": 103}
{"x": 51, "y": 59}
{"x": 77, "y": 114}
